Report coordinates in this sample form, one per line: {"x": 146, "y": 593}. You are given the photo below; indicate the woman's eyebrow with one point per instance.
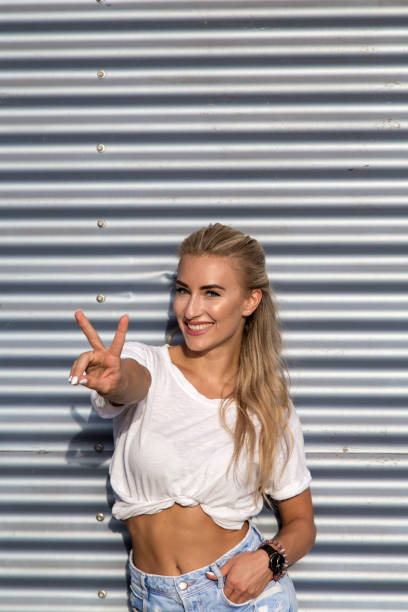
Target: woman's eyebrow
{"x": 179, "y": 282}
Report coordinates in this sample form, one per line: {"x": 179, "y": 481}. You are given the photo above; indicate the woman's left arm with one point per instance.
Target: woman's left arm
{"x": 248, "y": 573}
{"x": 298, "y": 532}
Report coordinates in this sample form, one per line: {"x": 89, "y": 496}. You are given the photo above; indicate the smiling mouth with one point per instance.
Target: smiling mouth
{"x": 197, "y": 326}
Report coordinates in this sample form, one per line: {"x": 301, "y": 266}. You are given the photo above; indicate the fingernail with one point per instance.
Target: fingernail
{"x": 83, "y": 381}
{"x": 69, "y": 379}
{"x": 211, "y": 573}
{"x": 74, "y": 380}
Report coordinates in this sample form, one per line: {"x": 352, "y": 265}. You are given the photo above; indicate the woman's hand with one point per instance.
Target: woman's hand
{"x": 247, "y": 575}
{"x": 101, "y": 365}
{"x": 248, "y": 572}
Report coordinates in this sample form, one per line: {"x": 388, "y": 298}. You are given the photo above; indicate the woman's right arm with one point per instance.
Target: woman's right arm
{"x": 120, "y": 381}
{"x": 134, "y": 384}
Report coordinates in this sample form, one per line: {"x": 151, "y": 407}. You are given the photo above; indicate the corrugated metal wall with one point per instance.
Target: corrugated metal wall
{"x": 125, "y": 125}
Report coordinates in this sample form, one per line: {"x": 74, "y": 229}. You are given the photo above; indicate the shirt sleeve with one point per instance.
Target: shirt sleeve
{"x": 131, "y": 350}
{"x": 291, "y": 475}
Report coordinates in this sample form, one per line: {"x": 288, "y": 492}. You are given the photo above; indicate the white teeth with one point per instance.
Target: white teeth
{"x": 198, "y": 327}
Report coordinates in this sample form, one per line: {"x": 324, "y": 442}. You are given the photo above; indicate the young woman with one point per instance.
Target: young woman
{"x": 204, "y": 432}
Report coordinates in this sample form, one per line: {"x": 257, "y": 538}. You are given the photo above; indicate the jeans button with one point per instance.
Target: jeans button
{"x": 183, "y": 585}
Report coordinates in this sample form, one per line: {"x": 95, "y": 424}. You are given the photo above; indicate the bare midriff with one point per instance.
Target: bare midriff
{"x": 179, "y": 539}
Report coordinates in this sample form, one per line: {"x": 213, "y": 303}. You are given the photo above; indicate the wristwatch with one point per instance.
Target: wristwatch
{"x": 276, "y": 559}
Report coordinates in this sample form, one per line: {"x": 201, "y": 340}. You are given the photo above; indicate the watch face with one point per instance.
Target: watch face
{"x": 276, "y": 563}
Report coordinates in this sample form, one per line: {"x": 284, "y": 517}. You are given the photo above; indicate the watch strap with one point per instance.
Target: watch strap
{"x": 278, "y": 561}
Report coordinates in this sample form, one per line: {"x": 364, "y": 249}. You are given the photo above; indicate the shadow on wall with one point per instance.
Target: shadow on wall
{"x": 89, "y": 455}
{"x": 172, "y": 325}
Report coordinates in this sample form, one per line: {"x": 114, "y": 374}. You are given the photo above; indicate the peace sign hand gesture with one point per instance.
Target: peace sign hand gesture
{"x": 102, "y": 366}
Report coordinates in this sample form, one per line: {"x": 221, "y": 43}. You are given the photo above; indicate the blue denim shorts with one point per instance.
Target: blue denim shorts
{"x": 194, "y": 592}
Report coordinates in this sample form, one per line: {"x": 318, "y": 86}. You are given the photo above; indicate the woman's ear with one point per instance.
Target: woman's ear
{"x": 253, "y": 302}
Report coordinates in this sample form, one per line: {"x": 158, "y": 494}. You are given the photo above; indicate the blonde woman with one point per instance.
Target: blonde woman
{"x": 205, "y": 431}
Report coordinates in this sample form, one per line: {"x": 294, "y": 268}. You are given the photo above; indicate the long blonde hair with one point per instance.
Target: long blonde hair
{"x": 261, "y": 389}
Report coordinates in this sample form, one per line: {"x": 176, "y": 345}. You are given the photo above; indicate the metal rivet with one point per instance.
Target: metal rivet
{"x": 100, "y": 298}
{"x": 100, "y": 148}
{"x": 100, "y": 516}
{"x": 99, "y": 447}
{"x": 101, "y": 74}
{"x": 102, "y": 594}
{"x": 101, "y": 223}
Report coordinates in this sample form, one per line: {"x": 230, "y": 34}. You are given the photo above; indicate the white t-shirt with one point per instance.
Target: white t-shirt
{"x": 171, "y": 447}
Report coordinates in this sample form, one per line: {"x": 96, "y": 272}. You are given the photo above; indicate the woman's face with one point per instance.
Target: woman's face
{"x": 210, "y": 303}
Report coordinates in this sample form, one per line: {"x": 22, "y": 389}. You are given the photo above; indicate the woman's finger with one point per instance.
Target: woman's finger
{"x": 120, "y": 336}
{"x": 80, "y": 366}
{"x": 101, "y": 385}
{"x": 91, "y": 333}
{"x": 89, "y": 381}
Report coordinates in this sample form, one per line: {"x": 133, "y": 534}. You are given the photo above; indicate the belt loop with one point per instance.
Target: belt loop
{"x": 217, "y": 572}
{"x": 143, "y": 583}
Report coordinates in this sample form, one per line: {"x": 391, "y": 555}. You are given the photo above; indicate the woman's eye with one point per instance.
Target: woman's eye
{"x": 182, "y": 290}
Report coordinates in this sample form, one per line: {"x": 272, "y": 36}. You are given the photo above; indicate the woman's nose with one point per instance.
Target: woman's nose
{"x": 193, "y": 307}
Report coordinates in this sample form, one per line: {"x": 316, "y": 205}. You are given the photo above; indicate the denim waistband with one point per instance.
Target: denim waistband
{"x": 170, "y": 584}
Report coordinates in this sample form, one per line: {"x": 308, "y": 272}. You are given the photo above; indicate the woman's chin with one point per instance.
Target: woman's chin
{"x": 196, "y": 343}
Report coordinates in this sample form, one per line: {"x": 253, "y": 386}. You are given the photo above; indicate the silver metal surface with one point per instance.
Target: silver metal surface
{"x": 286, "y": 119}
